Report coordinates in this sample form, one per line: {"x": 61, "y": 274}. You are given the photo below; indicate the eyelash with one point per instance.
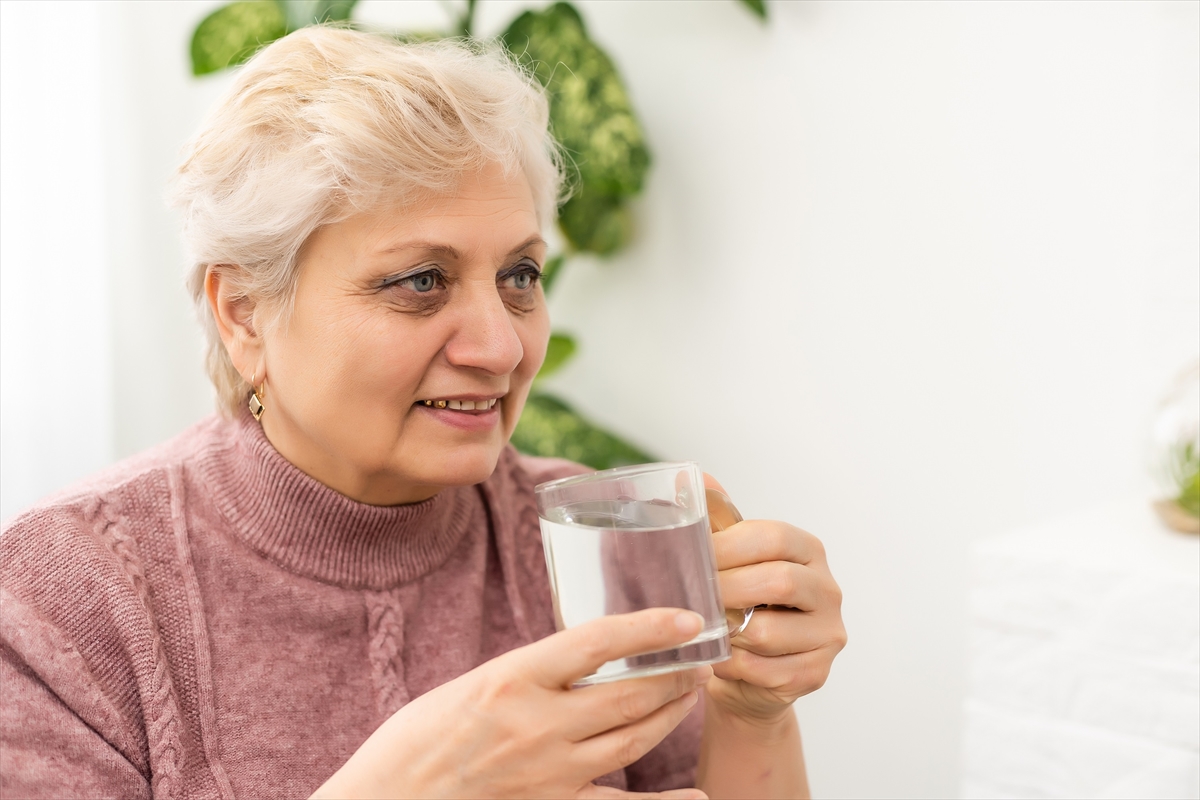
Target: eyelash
{"x": 523, "y": 268}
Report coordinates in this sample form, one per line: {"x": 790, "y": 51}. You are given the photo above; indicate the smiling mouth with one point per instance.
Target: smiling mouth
{"x": 460, "y": 405}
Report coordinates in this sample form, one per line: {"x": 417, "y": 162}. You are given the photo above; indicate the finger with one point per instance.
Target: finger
{"x": 788, "y": 677}
{"x": 617, "y": 749}
{"x": 722, "y": 513}
{"x": 781, "y": 632}
{"x": 712, "y": 483}
{"x": 567, "y": 656}
{"x": 780, "y": 583}
{"x": 596, "y": 709}
{"x": 755, "y": 541}
{"x": 604, "y": 792}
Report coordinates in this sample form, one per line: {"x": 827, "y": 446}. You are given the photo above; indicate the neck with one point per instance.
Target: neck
{"x": 323, "y": 463}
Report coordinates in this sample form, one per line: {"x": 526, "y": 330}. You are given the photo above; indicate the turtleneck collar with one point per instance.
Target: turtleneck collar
{"x": 307, "y": 528}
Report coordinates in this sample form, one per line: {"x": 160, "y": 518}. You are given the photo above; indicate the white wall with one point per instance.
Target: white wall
{"x": 908, "y": 274}
{"x": 55, "y": 349}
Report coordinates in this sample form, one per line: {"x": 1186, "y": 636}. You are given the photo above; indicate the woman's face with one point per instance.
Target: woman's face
{"x": 414, "y": 338}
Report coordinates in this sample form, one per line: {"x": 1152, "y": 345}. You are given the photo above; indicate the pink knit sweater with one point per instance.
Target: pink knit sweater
{"x": 205, "y": 620}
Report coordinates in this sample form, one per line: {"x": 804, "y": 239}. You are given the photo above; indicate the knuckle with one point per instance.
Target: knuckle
{"x": 776, "y": 541}
{"x": 810, "y": 677}
{"x": 630, "y": 705}
{"x": 629, "y": 748}
{"x": 495, "y": 689}
{"x": 781, "y": 584}
{"x": 596, "y": 646}
{"x": 818, "y": 547}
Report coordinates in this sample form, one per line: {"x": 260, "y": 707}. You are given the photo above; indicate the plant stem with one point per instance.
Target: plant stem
{"x": 466, "y": 23}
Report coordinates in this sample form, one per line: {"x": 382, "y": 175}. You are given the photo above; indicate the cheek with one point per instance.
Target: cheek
{"x": 352, "y": 358}
{"x": 534, "y": 332}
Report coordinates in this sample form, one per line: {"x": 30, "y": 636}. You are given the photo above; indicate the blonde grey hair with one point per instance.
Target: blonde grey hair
{"x": 326, "y": 122}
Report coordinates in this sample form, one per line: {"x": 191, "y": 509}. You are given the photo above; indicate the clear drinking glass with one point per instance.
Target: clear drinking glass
{"x": 631, "y": 538}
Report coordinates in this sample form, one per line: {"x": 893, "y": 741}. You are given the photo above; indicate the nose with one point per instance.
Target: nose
{"x": 484, "y": 337}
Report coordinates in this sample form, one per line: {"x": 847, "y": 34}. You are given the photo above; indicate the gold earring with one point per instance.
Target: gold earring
{"x": 256, "y": 401}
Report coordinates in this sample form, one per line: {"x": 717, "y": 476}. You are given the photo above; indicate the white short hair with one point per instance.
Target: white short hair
{"x": 326, "y": 122}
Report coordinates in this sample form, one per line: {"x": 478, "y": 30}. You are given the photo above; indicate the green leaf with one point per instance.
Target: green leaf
{"x": 549, "y": 427}
{"x": 757, "y": 7}
{"x": 595, "y": 223}
{"x": 302, "y": 13}
{"x": 551, "y": 270}
{"x": 558, "y": 352}
{"x": 1186, "y": 472}
{"x": 1189, "y": 495}
{"x": 231, "y": 34}
{"x": 592, "y": 117}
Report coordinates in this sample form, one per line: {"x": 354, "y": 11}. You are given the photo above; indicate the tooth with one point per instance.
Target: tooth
{"x": 491, "y": 402}
{"x": 440, "y": 403}
{"x": 470, "y": 405}
{"x": 455, "y": 405}
{"x": 428, "y": 402}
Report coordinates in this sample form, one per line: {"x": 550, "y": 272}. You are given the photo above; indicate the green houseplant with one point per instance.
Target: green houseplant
{"x": 591, "y": 116}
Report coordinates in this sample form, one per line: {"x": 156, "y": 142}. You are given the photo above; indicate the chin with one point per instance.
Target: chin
{"x": 464, "y": 465}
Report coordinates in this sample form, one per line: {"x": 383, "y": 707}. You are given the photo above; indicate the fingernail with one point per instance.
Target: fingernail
{"x": 689, "y": 622}
{"x": 690, "y": 699}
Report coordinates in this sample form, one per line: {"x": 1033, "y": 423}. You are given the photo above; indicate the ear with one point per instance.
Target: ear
{"x": 234, "y": 315}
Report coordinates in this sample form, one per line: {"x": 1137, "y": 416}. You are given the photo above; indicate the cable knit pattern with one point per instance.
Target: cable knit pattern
{"x": 385, "y": 625}
{"x": 162, "y": 723}
{"x": 204, "y": 620}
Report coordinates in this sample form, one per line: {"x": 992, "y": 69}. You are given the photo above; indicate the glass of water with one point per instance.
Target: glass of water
{"x": 631, "y": 538}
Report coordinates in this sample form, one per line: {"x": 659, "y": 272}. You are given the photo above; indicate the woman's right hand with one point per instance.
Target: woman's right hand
{"x": 513, "y": 727}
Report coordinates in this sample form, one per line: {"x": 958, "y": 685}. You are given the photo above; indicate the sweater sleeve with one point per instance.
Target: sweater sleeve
{"x": 68, "y": 718}
{"x": 47, "y": 750}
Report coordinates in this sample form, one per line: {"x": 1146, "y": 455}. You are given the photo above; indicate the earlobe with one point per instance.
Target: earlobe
{"x": 233, "y": 313}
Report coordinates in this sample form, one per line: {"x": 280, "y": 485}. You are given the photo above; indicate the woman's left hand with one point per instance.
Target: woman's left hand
{"x": 787, "y": 649}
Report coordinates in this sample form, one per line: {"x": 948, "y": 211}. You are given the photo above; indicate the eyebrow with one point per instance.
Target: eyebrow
{"x": 452, "y": 252}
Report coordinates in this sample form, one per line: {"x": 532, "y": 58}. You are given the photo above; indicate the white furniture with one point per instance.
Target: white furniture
{"x": 1085, "y": 660}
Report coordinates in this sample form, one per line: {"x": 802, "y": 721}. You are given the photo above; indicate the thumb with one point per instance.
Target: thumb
{"x": 564, "y": 657}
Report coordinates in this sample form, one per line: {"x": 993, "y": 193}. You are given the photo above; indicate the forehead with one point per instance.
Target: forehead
{"x": 488, "y": 207}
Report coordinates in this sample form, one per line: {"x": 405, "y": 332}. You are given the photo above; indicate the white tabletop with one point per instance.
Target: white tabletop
{"x": 1085, "y": 659}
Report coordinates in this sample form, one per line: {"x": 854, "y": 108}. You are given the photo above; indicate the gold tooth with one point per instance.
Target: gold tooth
{"x": 428, "y": 403}
{"x": 440, "y": 403}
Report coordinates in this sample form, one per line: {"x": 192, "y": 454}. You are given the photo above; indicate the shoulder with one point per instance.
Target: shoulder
{"x": 92, "y": 531}
{"x": 83, "y": 575}
{"x": 92, "y": 537}
{"x": 125, "y": 475}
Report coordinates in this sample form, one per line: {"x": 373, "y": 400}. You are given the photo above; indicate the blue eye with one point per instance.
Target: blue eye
{"x": 523, "y": 277}
{"x": 425, "y": 282}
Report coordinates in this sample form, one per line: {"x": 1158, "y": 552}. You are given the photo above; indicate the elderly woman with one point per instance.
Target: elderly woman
{"x": 335, "y": 588}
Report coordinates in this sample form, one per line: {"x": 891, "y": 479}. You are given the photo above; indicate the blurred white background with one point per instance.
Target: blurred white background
{"x": 908, "y": 275}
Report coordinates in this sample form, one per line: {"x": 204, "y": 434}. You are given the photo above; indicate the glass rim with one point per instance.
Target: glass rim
{"x": 628, "y": 470}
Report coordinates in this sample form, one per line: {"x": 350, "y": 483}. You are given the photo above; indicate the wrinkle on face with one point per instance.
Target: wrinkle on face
{"x": 356, "y": 359}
